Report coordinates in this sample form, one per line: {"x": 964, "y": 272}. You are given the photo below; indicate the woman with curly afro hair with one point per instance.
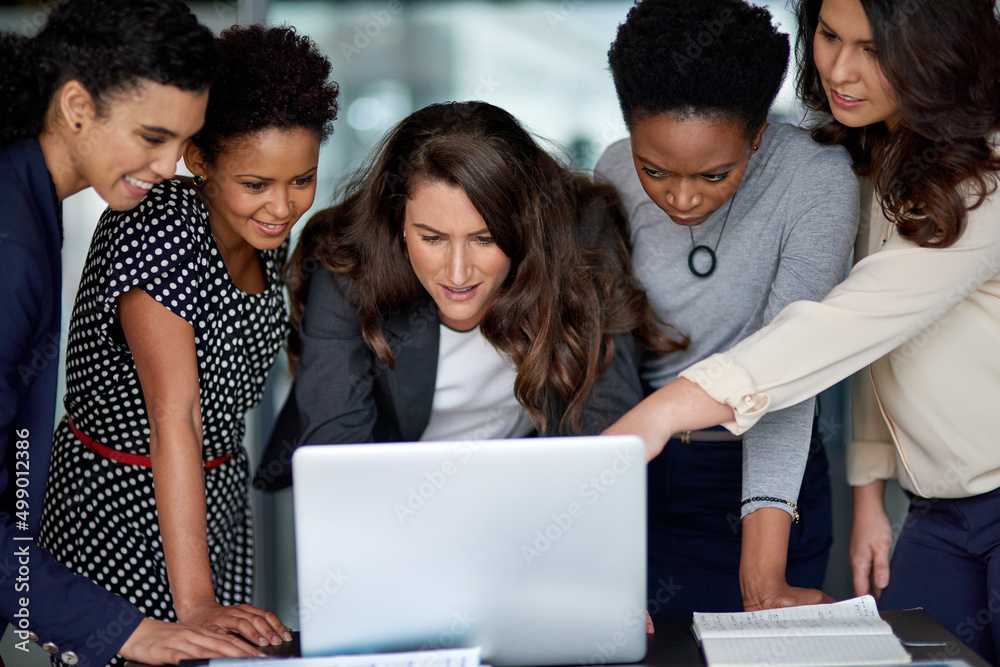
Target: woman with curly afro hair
{"x": 732, "y": 218}
{"x": 179, "y": 316}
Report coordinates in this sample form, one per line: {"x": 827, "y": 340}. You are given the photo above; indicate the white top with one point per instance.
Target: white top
{"x": 474, "y": 391}
{"x": 930, "y": 320}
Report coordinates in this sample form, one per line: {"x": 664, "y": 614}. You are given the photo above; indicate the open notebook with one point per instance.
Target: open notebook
{"x": 843, "y": 633}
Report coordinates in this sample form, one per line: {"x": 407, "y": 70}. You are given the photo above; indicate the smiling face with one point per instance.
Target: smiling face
{"x": 260, "y": 186}
{"x": 690, "y": 167}
{"x": 453, "y": 253}
{"x": 136, "y": 143}
{"x": 848, "y": 66}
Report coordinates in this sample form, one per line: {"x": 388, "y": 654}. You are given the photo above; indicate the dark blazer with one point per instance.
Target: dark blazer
{"x": 81, "y": 619}
{"x": 344, "y": 394}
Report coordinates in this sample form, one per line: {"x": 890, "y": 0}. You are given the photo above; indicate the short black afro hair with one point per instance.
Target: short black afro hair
{"x": 716, "y": 58}
{"x": 268, "y": 78}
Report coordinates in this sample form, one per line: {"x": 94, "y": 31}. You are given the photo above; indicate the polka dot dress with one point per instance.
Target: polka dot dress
{"x": 100, "y": 515}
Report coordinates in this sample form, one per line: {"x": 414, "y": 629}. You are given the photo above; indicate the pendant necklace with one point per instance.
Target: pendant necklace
{"x": 695, "y": 249}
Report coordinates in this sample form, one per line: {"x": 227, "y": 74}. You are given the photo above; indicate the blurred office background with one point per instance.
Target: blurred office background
{"x": 542, "y": 60}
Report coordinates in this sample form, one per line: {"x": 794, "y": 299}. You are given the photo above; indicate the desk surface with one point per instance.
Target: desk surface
{"x": 673, "y": 644}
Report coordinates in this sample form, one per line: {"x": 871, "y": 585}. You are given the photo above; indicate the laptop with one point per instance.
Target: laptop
{"x": 533, "y": 549}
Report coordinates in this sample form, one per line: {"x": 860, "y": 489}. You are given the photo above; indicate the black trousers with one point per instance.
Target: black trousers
{"x": 695, "y": 532}
{"x": 947, "y": 560}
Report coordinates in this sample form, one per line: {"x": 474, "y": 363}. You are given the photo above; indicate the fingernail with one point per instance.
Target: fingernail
{"x": 262, "y": 641}
{"x": 288, "y": 636}
{"x": 275, "y": 639}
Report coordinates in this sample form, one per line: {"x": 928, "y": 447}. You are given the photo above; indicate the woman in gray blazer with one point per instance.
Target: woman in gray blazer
{"x": 469, "y": 286}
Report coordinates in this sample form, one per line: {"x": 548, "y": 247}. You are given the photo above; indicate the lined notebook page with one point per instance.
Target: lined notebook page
{"x": 843, "y": 633}
{"x": 858, "y": 616}
{"x": 793, "y": 651}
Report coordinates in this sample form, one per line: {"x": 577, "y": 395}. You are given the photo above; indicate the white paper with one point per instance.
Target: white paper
{"x": 842, "y": 633}
{"x": 858, "y": 616}
{"x": 813, "y": 651}
{"x": 452, "y": 657}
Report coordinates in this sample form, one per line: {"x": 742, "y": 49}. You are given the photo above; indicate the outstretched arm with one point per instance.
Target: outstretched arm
{"x": 678, "y": 406}
{"x": 163, "y": 346}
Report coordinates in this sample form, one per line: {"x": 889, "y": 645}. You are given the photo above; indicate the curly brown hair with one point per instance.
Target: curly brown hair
{"x": 570, "y": 286}
{"x": 942, "y": 60}
{"x": 267, "y": 78}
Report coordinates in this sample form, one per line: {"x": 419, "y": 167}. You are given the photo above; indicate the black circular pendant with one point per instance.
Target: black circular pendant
{"x": 711, "y": 255}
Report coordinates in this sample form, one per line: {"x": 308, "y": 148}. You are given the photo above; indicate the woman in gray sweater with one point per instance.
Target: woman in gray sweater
{"x": 732, "y": 218}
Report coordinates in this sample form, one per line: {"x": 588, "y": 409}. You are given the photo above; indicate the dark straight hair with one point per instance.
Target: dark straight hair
{"x": 942, "y": 59}
{"x": 109, "y": 46}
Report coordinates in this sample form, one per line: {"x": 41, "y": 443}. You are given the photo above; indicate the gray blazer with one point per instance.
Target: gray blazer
{"x": 344, "y": 394}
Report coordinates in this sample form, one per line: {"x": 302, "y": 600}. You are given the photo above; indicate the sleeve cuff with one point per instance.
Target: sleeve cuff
{"x": 869, "y": 461}
{"x": 726, "y": 382}
{"x": 759, "y": 504}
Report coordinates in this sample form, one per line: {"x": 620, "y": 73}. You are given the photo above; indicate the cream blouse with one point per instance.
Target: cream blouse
{"x": 928, "y": 322}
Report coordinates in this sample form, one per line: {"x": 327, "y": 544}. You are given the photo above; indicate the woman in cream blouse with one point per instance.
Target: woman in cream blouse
{"x": 922, "y": 305}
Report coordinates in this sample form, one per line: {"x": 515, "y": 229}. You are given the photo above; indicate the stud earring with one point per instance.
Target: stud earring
{"x": 78, "y": 126}
{"x": 199, "y": 181}
{"x": 755, "y": 148}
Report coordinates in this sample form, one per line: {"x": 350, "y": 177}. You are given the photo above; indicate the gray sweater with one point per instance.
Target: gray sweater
{"x": 788, "y": 238}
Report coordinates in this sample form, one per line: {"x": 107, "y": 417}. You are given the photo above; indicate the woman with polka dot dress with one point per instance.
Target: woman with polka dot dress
{"x": 179, "y": 316}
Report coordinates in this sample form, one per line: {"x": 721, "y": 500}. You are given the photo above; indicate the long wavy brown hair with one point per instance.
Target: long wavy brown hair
{"x": 570, "y": 286}
{"x": 942, "y": 59}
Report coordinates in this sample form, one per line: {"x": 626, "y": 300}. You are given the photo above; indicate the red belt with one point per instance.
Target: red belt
{"x": 125, "y": 457}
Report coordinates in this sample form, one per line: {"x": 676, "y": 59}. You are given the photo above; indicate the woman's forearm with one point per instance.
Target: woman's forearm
{"x": 175, "y": 449}
{"x": 678, "y": 406}
{"x": 871, "y": 539}
{"x": 764, "y": 554}
{"x": 763, "y": 560}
